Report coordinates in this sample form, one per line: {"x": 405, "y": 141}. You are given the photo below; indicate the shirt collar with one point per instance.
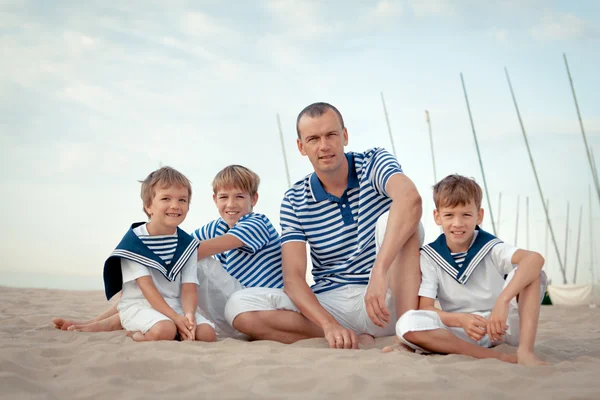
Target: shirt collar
{"x": 319, "y": 193}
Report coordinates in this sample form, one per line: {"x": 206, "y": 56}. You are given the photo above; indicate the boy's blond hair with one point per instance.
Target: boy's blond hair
{"x": 165, "y": 177}
{"x": 455, "y": 190}
{"x": 238, "y": 177}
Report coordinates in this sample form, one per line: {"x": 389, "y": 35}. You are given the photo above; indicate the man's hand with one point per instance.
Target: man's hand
{"x": 192, "y": 324}
{"x": 339, "y": 337}
{"x": 375, "y": 299}
{"x": 496, "y": 324}
{"x": 183, "y": 327}
{"x": 474, "y": 326}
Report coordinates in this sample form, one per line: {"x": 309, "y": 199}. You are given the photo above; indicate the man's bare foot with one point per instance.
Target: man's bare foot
{"x": 366, "y": 339}
{"x": 397, "y": 346}
{"x": 528, "y": 358}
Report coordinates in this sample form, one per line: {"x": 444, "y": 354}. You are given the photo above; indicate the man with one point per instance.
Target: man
{"x": 362, "y": 286}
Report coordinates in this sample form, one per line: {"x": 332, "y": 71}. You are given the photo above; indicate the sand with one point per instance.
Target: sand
{"x": 40, "y": 362}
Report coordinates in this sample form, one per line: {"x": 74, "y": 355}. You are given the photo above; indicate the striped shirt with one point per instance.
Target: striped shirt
{"x": 340, "y": 231}
{"x": 258, "y": 262}
{"x": 163, "y": 246}
{"x": 459, "y": 258}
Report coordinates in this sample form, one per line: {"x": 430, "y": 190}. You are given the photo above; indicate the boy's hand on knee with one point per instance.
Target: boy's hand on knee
{"x": 474, "y": 326}
{"x": 183, "y": 327}
{"x": 192, "y": 324}
{"x": 496, "y": 324}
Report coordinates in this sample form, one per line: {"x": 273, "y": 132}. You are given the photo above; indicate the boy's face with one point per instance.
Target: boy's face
{"x": 458, "y": 224}
{"x": 168, "y": 209}
{"x": 233, "y": 204}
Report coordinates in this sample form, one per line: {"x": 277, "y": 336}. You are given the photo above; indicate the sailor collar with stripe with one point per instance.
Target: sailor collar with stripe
{"x": 439, "y": 253}
{"x": 319, "y": 193}
{"x": 132, "y": 248}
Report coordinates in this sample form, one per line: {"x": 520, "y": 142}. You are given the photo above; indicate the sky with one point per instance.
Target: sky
{"x": 95, "y": 95}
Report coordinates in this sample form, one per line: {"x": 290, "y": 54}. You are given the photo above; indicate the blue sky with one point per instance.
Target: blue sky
{"x": 95, "y": 96}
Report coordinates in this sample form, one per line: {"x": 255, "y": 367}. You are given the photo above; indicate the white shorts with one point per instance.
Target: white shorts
{"x": 346, "y": 304}
{"x": 138, "y": 315}
{"x": 425, "y": 320}
{"x": 215, "y": 288}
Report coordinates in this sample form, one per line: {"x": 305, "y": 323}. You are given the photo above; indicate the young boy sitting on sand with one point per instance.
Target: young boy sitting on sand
{"x": 155, "y": 267}
{"x": 477, "y": 279}
{"x": 246, "y": 245}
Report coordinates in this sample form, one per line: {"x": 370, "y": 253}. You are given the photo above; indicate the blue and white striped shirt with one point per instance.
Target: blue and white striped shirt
{"x": 163, "y": 246}
{"x": 340, "y": 231}
{"x": 258, "y": 262}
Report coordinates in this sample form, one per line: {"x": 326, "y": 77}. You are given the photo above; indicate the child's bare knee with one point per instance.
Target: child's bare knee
{"x": 205, "y": 333}
{"x": 244, "y": 322}
{"x": 163, "y": 330}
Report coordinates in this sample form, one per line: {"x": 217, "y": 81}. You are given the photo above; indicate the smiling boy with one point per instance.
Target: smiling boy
{"x": 476, "y": 278}
{"x": 155, "y": 266}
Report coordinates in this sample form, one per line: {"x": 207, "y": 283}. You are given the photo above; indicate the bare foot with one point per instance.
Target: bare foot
{"x": 397, "y": 346}
{"x": 366, "y": 339}
{"x": 62, "y": 324}
{"x": 528, "y": 358}
{"x": 509, "y": 358}
{"x": 138, "y": 337}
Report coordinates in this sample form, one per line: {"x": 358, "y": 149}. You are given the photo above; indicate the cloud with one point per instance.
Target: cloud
{"x": 424, "y": 8}
{"x": 303, "y": 19}
{"x": 559, "y": 27}
{"x": 501, "y": 35}
{"x": 385, "y": 9}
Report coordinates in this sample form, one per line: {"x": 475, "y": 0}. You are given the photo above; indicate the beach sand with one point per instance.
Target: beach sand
{"x": 40, "y": 362}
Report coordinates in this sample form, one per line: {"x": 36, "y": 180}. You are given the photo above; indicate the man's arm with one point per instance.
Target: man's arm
{"x": 295, "y": 286}
{"x": 403, "y": 220}
{"x": 473, "y": 325}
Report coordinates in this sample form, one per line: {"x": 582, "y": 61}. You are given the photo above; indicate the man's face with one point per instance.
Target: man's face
{"x": 322, "y": 139}
{"x": 458, "y": 224}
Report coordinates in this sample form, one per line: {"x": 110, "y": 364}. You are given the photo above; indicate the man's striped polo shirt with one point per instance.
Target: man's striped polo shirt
{"x": 340, "y": 231}
{"x": 258, "y": 262}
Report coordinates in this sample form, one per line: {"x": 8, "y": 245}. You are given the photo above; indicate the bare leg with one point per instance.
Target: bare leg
{"x": 404, "y": 276}
{"x": 163, "y": 330}
{"x": 444, "y": 342}
{"x": 529, "y": 313}
{"x": 280, "y": 325}
{"x": 112, "y": 323}
{"x": 64, "y": 324}
{"x": 205, "y": 333}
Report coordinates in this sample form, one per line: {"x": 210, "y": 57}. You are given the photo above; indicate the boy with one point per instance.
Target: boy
{"x": 246, "y": 247}
{"x": 465, "y": 269}
{"x": 245, "y": 244}
{"x": 155, "y": 267}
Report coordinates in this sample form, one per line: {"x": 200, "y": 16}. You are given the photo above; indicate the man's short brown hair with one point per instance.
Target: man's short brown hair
{"x": 315, "y": 110}
{"x": 165, "y": 177}
{"x": 456, "y": 190}
{"x": 238, "y": 177}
